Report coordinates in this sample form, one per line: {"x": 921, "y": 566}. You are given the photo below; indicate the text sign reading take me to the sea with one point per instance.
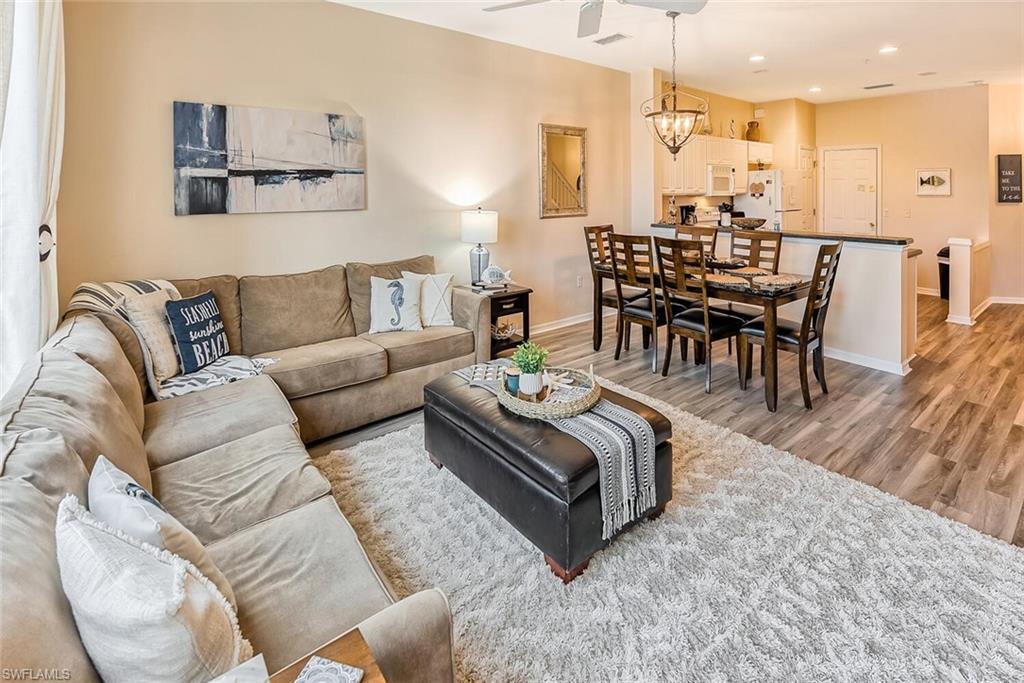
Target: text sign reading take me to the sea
{"x": 1008, "y": 172}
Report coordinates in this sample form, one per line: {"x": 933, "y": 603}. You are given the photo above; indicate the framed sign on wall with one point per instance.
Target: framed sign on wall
{"x": 1008, "y": 190}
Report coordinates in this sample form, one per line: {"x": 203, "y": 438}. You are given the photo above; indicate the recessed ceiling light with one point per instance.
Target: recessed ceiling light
{"x": 888, "y": 50}
{"x": 814, "y": 88}
{"x": 757, "y": 58}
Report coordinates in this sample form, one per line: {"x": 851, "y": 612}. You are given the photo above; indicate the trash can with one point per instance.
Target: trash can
{"x": 944, "y": 272}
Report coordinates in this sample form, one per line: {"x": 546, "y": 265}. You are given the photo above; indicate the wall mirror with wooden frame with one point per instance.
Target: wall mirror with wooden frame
{"x": 563, "y": 171}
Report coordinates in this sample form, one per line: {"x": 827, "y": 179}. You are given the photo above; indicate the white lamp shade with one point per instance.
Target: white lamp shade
{"x": 479, "y": 226}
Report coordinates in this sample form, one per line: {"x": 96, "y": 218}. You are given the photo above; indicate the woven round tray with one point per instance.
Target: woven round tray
{"x": 548, "y": 409}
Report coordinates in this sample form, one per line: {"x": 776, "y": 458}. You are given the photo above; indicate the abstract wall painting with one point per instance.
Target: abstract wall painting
{"x": 230, "y": 159}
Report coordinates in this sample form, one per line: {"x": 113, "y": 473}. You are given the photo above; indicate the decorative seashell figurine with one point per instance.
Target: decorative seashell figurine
{"x": 494, "y": 275}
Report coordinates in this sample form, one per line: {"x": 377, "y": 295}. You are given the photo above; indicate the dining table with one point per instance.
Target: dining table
{"x": 769, "y": 299}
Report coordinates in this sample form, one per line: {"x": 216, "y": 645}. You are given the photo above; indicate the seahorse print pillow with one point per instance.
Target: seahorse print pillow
{"x": 394, "y": 305}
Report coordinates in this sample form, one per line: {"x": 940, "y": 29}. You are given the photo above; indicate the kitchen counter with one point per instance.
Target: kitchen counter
{"x": 807, "y": 234}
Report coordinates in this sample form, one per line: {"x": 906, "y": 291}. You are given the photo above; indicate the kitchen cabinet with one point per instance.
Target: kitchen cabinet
{"x": 759, "y": 152}
{"x": 687, "y": 174}
{"x": 738, "y": 150}
{"x": 671, "y": 178}
{"x": 719, "y": 151}
{"x": 694, "y": 166}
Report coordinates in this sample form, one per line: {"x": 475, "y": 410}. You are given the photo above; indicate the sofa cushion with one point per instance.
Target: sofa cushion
{"x": 225, "y": 291}
{"x": 301, "y": 579}
{"x": 89, "y": 339}
{"x": 282, "y": 311}
{"x": 359, "y": 275}
{"x": 117, "y": 500}
{"x": 143, "y": 613}
{"x": 185, "y": 425}
{"x": 38, "y": 628}
{"x": 431, "y": 345}
{"x": 37, "y": 470}
{"x": 58, "y": 390}
{"x": 129, "y": 342}
{"x": 315, "y": 368}
{"x": 148, "y": 316}
{"x": 233, "y": 486}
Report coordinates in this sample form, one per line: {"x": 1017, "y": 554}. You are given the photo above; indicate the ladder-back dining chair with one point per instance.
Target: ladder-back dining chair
{"x": 599, "y": 252}
{"x": 807, "y": 335}
{"x": 682, "y": 272}
{"x": 634, "y": 267}
{"x": 706, "y": 235}
{"x": 759, "y": 248}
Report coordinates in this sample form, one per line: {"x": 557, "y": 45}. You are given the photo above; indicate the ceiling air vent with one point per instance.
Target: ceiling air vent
{"x": 613, "y": 38}
{"x": 878, "y": 86}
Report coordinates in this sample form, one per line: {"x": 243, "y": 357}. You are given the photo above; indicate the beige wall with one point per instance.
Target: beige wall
{"x": 1006, "y": 221}
{"x": 939, "y": 128}
{"x": 451, "y": 122}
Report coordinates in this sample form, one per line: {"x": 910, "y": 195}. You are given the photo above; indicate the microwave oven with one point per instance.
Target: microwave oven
{"x": 721, "y": 181}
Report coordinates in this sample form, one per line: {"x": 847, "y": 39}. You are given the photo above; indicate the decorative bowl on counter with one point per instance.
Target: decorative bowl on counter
{"x": 748, "y": 223}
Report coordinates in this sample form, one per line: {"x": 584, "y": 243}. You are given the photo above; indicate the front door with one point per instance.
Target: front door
{"x": 850, "y": 186}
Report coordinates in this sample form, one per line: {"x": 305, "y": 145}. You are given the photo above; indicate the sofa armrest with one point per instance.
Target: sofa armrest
{"x": 473, "y": 311}
{"x": 412, "y": 639}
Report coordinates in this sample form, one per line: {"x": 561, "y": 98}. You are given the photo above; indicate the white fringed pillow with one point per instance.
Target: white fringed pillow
{"x": 394, "y": 305}
{"x": 143, "y": 614}
{"x": 435, "y": 298}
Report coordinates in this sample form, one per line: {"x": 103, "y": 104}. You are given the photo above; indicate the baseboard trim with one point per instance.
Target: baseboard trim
{"x": 565, "y": 322}
{"x": 960, "y": 319}
{"x": 981, "y": 308}
{"x": 927, "y": 291}
{"x": 901, "y": 369}
{"x": 1019, "y": 300}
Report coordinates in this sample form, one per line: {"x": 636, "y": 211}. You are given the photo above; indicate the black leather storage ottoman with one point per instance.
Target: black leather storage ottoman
{"x": 543, "y": 481}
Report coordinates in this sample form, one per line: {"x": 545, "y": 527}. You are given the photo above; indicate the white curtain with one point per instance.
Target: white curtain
{"x": 31, "y": 140}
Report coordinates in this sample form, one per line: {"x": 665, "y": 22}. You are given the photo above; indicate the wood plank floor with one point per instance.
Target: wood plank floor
{"x": 949, "y": 436}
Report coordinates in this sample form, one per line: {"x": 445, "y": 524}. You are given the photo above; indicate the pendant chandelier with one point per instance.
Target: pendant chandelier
{"x": 673, "y": 117}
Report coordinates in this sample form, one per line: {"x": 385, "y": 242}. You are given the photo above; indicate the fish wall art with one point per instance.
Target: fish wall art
{"x": 934, "y": 182}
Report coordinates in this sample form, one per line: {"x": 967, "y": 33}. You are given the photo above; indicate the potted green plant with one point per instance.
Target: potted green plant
{"x": 530, "y": 359}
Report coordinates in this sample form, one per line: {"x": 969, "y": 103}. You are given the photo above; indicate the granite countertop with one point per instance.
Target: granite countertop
{"x": 838, "y": 236}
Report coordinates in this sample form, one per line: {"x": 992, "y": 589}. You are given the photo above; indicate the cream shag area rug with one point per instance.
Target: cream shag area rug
{"x": 764, "y": 567}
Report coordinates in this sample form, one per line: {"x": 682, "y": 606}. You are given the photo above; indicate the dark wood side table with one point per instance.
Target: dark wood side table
{"x": 511, "y": 300}
{"x": 348, "y": 649}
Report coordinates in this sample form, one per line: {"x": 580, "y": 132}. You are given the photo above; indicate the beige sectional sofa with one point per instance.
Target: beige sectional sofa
{"x": 229, "y": 463}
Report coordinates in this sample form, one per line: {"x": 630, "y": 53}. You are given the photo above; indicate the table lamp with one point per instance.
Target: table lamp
{"x": 479, "y": 227}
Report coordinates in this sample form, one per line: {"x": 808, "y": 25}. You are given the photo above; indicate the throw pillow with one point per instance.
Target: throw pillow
{"x": 198, "y": 331}
{"x": 394, "y": 305}
{"x": 117, "y": 499}
{"x": 435, "y": 298}
{"x": 148, "y": 316}
{"x": 143, "y": 614}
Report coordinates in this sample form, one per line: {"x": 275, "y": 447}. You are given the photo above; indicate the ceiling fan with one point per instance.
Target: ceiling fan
{"x": 590, "y": 11}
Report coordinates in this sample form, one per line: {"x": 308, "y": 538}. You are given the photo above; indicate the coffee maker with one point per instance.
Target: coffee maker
{"x": 688, "y": 214}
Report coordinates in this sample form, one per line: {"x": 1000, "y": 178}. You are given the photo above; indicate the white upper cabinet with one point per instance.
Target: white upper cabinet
{"x": 759, "y": 152}
{"x": 671, "y": 176}
{"x": 694, "y": 157}
{"x": 719, "y": 151}
{"x": 739, "y": 164}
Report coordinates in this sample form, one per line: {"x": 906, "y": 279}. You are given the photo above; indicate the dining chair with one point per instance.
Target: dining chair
{"x": 760, "y": 249}
{"x": 682, "y": 271}
{"x": 708, "y": 236}
{"x": 807, "y": 335}
{"x": 600, "y": 269}
{"x": 634, "y": 267}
